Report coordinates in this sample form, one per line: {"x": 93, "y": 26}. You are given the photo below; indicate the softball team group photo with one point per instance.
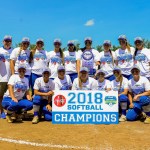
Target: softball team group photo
{"x": 29, "y": 77}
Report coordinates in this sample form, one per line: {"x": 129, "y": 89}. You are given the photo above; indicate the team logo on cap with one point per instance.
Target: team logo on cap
{"x": 110, "y": 100}
{"x": 59, "y": 100}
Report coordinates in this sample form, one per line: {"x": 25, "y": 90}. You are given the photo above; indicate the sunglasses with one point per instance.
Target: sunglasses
{"x": 88, "y": 42}
{"x": 122, "y": 41}
{"x": 61, "y": 71}
{"x": 22, "y": 70}
{"x": 135, "y": 71}
{"x": 46, "y": 72}
{"x": 8, "y": 41}
{"x": 26, "y": 43}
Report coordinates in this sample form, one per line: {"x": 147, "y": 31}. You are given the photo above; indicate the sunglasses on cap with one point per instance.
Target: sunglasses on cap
{"x": 138, "y": 42}
{"x": 7, "y": 41}
{"x": 57, "y": 43}
{"x": 70, "y": 45}
{"x": 40, "y": 43}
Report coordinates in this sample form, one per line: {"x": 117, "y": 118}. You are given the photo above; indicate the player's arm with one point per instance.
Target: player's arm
{"x": 37, "y": 92}
{"x": 11, "y": 92}
{"x": 12, "y": 68}
{"x": 130, "y": 97}
{"x": 125, "y": 92}
{"x": 28, "y": 95}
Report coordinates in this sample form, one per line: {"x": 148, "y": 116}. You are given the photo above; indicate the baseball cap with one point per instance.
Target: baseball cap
{"x": 100, "y": 71}
{"x": 70, "y": 42}
{"x": 60, "y": 68}
{"x": 88, "y": 39}
{"x": 21, "y": 66}
{"x": 135, "y": 67}
{"x": 107, "y": 42}
{"x": 46, "y": 70}
{"x": 138, "y": 39}
{"x": 84, "y": 69}
{"x": 7, "y": 37}
{"x": 57, "y": 41}
{"x": 40, "y": 40}
{"x": 116, "y": 68}
{"x": 25, "y": 39}
{"x": 122, "y": 37}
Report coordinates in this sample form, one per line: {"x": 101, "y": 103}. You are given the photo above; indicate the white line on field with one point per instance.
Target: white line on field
{"x": 42, "y": 144}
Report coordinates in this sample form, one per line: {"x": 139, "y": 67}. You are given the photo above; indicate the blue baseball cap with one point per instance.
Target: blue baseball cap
{"x": 25, "y": 39}
{"x": 122, "y": 37}
{"x": 60, "y": 68}
{"x": 84, "y": 69}
{"x": 21, "y": 66}
{"x": 107, "y": 42}
{"x": 138, "y": 39}
{"x": 7, "y": 37}
{"x": 39, "y": 40}
{"x": 88, "y": 39}
{"x": 70, "y": 42}
{"x": 57, "y": 41}
{"x": 46, "y": 70}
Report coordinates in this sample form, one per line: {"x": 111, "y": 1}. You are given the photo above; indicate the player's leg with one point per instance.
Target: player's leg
{"x": 36, "y": 108}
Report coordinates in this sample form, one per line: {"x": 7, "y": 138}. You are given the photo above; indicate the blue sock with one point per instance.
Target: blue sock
{"x": 124, "y": 112}
{"x": 36, "y": 113}
{"x": 148, "y": 114}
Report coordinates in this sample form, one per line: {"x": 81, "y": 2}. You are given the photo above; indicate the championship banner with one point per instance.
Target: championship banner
{"x": 85, "y": 107}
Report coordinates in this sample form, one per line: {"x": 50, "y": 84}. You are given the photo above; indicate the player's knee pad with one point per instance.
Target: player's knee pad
{"x": 131, "y": 115}
{"x": 146, "y": 108}
{"x": 47, "y": 114}
{"x": 123, "y": 98}
{"x": 37, "y": 100}
{"x": 29, "y": 106}
{"x": 137, "y": 108}
{"x": 144, "y": 100}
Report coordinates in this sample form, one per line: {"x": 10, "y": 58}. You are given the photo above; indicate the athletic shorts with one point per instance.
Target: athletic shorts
{"x": 3, "y": 88}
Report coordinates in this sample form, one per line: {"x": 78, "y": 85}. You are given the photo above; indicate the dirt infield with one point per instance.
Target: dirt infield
{"x": 46, "y": 136}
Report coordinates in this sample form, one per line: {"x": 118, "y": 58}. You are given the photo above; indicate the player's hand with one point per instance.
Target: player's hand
{"x": 135, "y": 98}
{"x": 131, "y": 105}
{"x": 15, "y": 99}
{"x": 48, "y": 107}
{"x": 29, "y": 97}
{"x": 50, "y": 93}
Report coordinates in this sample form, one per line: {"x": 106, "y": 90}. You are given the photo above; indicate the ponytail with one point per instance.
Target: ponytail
{"x": 61, "y": 55}
{"x": 32, "y": 52}
{"x": 121, "y": 79}
{"x": 83, "y": 49}
{"x": 128, "y": 47}
{"x": 21, "y": 48}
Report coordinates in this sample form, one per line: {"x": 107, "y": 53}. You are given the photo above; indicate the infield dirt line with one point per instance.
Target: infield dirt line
{"x": 23, "y": 142}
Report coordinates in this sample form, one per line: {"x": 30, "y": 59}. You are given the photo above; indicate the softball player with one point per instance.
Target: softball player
{"x": 107, "y": 58}
{"x": 38, "y": 61}
{"x": 71, "y": 61}
{"x": 124, "y": 57}
{"x": 55, "y": 58}
{"x": 43, "y": 90}
{"x": 139, "y": 96}
{"x": 88, "y": 57}
{"x": 5, "y": 52}
{"x": 13, "y": 100}
{"x": 84, "y": 82}
{"x": 142, "y": 57}
{"x": 62, "y": 82}
{"x": 20, "y": 55}
{"x": 120, "y": 84}
{"x": 103, "y": 84}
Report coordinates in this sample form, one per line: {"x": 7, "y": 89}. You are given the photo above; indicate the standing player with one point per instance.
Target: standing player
{"x": 55, "y": 58}
{"x": 139, "y": 96}
{"x": 38, "y": 60}
{"x": 142, "y": 57}
{"x": 13, "y": 100}
{"x": 20, "y": 55}
{"x": 103, "y": 84}
{"x": 84, "y": 82}
{"x": 120, "y": 84}
{"x": 71, "y": 60}
{"x": 107, "y": 58}
{"x": 62, "y": 82}
{"x": 43, "y": 90}
{"x": 124, "y": 57}
{"x": 88, "y": 57}
{"x": 5, "y": 52}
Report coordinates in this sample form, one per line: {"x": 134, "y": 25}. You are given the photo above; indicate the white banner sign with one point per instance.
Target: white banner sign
{"x": 85, "y": 107}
